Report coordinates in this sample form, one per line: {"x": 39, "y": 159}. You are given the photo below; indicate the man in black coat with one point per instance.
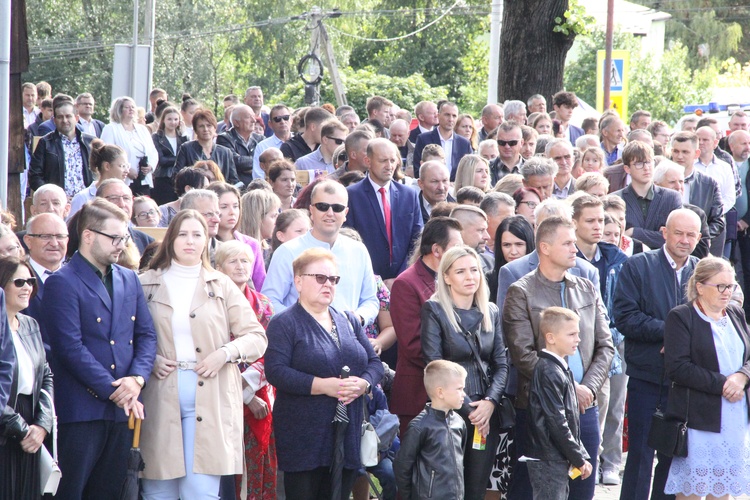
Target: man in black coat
{"x": 242, "y": 141}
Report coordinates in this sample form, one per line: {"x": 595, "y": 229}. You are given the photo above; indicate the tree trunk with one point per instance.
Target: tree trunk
{"x": 532, "y": 55}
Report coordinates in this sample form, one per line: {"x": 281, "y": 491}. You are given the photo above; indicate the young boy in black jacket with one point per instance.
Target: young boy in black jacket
{"x": 554, "y": 429}
{"x": 430, "y": 462}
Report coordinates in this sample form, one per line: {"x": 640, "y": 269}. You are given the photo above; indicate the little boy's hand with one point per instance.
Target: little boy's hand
{"x": 586, "y": 470}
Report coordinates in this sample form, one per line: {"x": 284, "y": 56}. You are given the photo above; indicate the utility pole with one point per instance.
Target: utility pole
{"x": 319, "y": 36}
{"x": 134, "y": 52}
{"x": 608, "y": 53}
{"x": 150, "y": 31}
{"x": 338, "y": 86}
{"x": 496, "y": 23}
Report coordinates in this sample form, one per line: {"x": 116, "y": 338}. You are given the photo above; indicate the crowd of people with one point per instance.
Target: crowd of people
{"x": 517, "y": 290}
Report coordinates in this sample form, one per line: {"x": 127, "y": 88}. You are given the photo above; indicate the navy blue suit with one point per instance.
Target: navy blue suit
{"x": 575, "y": 133}
{"x": 98, "y": 126}
{"x": 461, "y": 148}
{"x": 94, "y": 340}
{"x": 36, "y": 311}
{"x": 366, "y": 217}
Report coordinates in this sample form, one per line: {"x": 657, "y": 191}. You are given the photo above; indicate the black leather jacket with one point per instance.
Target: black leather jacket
{"x": 429, "y": 463}
{"x": 48, "y": 161}
{"x": 167, "y": 157}
{"x": 12, "y": 425}
{"x": 192, "y": 152}
{"x": 554, "y": 422}
{"x": 243, "y": 153}
{"x": 440, "y": 340}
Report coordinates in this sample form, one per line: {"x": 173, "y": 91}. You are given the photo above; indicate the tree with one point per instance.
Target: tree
{"x": 532, "y": 53}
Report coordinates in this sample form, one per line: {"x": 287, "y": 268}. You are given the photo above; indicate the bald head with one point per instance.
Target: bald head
{"x": 269, "y": 156}
{"x": 739, "y": 144}
{"x": 683, "y": 216}
{"x": 399, "y": 132}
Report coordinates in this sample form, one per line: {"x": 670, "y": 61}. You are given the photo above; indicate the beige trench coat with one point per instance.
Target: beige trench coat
{"x": 218, "y": 308}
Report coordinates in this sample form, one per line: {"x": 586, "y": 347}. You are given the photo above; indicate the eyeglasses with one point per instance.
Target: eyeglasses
{"x": 212, "y": 215}
{"x": 640, "y": 165}
{"x": 324, "y": 207}
{"x": 279, "y": 119}
{"x": 507, "y": 143}
{"x": 144, "y": 215}
{"x": 723, "y": 288}
{"x": 49, "y": 237}
{"x": 20, "y": 282}
{"x": 338, "y": 141}
{"x": 322, "y": 278}
{"x": 532, "y": 204}
{"x": 115, "y": 199}
{"x": 116, "y": 239}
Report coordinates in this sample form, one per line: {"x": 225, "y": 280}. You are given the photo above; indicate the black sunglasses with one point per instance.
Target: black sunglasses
{"x": 20, "y": 282}
{"x": 322, "y": 278}
{"x": 338, "y": 141}
{"x": 507, "y": 143}
{"x": 279, "y": 119}
{"x": 323, "y": 207}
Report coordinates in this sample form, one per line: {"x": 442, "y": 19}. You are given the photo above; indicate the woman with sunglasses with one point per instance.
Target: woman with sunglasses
{"x": 309, "y": 345}
{"x": 27, "y": 419}
{"x": 204, "y": 325}
{"x": 707, "y": 361}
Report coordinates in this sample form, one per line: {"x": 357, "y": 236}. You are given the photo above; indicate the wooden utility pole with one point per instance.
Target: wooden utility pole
{"x": 608, "y": 53}
{"x": 19, "y": 63}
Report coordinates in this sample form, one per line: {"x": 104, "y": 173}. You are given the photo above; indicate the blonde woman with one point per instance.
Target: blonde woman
{"x": 260, "y": 208}
{"x": 473, "y": 170}
{"x": 459, "y": 323}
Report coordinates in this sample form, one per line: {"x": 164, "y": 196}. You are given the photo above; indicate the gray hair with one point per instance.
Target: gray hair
{"x": 541, "y": 143}
{"x": 514, "y": 107}
{"x": 537, "y": 165}
{"x": 639, "y": 134}
{"x": 47, "y": 188}
{"x": 665, "y": 166}
{"x": 534, "y": 97}
{"x": 115, "y": 111}
{"x": 583, "y": 142}
{"x": 493, "y": 200}
{"x": 554, "y": 142}
{"x": 236, "y": 110}
{"x": 190, "y": 199}
{"x": 552, "y": 207}
{"x": 106, "y": 183}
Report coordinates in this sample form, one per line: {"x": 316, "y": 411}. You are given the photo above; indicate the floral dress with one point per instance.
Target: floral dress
{"x": 260, "y": 443}
{"x": 384, "y": 298}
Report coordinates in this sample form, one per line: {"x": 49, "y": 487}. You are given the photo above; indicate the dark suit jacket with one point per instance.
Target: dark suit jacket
{"x": 295, "y": 148}
{"x": 410, "y": 291}
{"x": 167, "y": 157}
{"x": 192, "y": 151}
{"x": 461, "y": 148}
{"x": 425, "y": 215}
{"x": 691, "y": 363}
{"x": 35, "y": 310}
{"x": 413, "y": 139}
{"x": 575, "y": 133}
{"x": 665, "y": 200}
{"x": 704, "y": 193}
{"x": 95, "y": 339}
{"x": 701, "y": 249}
{"x": 98, "y": 126}
{"x": 140, "y": 239}
{"x": 46, "y": 127}
{"x": 406, "y": 223}
{"x": 48, "y": 162}
{"x": 243, "y": 155}
{"x": 616, "y": 176}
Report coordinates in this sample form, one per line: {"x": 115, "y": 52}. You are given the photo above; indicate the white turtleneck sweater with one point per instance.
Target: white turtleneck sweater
{"x": 181, "y": 282}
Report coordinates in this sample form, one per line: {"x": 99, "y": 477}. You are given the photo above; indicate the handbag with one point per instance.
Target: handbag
{"x": 668, "y": 435}
{"x": 505, "y": 411}
{"x": 368, "y": 448}
{"x": 49, "y": 470}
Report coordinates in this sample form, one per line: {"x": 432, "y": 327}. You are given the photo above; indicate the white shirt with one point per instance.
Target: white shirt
{"x": 558, "y": 357}
{"x": 268, "y": 142}
{"x": 181, "y": 282}
{"x": 40, "y": 269}
{"x": 379, "y": 197}
{"x": 87, "y": 126}
{"x": 447, "y": 145}
{"x": 29, "y": 117}
{"x": 674, "y": 265}
{"x": 25, "y": 366}
{"x": 721, "y": 172}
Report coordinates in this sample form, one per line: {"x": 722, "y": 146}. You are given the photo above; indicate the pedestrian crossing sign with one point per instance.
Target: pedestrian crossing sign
{"x": 618, "y": 82}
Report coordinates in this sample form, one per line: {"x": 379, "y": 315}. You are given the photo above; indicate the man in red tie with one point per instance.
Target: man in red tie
{"x": 385, "y": 213}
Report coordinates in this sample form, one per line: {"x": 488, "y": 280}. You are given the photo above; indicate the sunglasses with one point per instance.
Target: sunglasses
{"x": 507, "y": 143}
{"x": 279, "y": 119}
{"x": 338, "y": 141}
{"x": 322, "y": 278}
{"x": 20, "y": 282}
{"x": 324, "y": 207}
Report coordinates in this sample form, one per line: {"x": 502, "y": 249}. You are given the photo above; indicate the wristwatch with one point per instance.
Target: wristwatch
{"x": 139, "y": 380}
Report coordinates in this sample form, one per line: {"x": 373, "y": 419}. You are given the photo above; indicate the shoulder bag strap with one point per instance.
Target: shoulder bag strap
{"x": 54, "y": 423}
{"x": 470, "y": 339}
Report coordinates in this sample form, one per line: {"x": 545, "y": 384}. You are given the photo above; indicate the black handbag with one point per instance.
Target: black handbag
{"x": 669, "y": 435}
{"x": 504, "y": 411}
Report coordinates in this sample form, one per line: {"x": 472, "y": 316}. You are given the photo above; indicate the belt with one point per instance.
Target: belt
{"x": 186, "y": 365}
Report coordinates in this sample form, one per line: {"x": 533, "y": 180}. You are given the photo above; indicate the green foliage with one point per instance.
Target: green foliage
{"x": 733, "y": 74}
{"x": 361, "y": 84}
{"x": 661, "y": 86}
{"x": 574, "y": 22}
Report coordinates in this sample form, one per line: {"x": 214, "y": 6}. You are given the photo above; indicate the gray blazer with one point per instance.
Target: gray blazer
{"x": 704, "y": 193}
{"x": 665, "y": 200}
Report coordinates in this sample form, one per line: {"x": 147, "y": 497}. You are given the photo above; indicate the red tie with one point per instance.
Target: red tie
{"x": 387, "y": 214}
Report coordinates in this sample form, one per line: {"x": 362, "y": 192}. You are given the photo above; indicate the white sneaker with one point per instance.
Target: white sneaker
{"x": 611, "y": 477}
